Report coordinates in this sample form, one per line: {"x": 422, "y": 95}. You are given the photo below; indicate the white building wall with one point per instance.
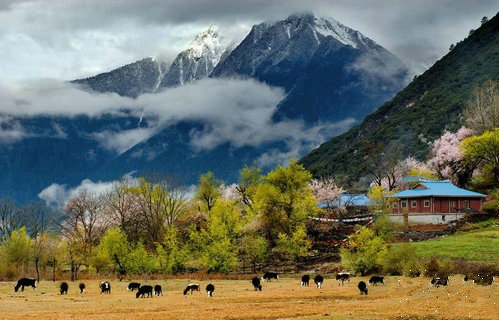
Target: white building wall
{"x": 426, "y": 218}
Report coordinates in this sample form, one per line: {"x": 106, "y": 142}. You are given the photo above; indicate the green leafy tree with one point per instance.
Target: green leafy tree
{"x": 365, "y": 251}
{"x": 141, "y": 261}
{"x": 19, "y": 249}
{"x": 216, "y": 245}
{"x": 208, "y": 191}
{"x": 402, "y": 260}
{"x": 284, "y": 201}
{"x": 484, "y": 150}
{"x": 249, "y": 180}
{"x": 172, "y": 254}
{"x": 295, "y": 246}
{"x": 113, "y": 247}
{"x": 253, "y": 249}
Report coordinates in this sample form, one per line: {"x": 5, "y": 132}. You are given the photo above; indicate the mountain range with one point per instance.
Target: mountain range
{"x": 286, "y": 87}
{"x": 419, "y": 114}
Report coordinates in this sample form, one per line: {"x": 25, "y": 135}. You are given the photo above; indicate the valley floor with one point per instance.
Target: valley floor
{"x": 400, "y": 297}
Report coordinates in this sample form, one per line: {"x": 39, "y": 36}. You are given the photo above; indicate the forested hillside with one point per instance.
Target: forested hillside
{"x": 429, "y": 105}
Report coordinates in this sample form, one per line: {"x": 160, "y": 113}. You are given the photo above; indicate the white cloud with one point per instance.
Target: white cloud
{"x": 75, "y": 39}
{"x": 56, "y": 195}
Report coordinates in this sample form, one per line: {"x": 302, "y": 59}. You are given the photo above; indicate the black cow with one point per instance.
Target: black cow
{"x": 362, "y": 287}
{"x": 318, "y": 279}
{"x": 305, "y": 279}
{"x": 105, "y": 287}
{"x": 143, "y": 290}
{"x": 269, "y": 275}
{"x": 82, "y": 287}
{"x": 25, "y": 282}
{"x": 132, "y": 286}
{"x": 209, "y": 290}
{"x": 158, "y": 290}
{"x": 191, "y": 287}
{"x": 376, "y": 279}
{"x": 342, "y": 277}
{"x": 256, "y": 284}
{"x": 64, "y": 288}
{"x": 482, "y": 279}
{"x": 440, "y": 281}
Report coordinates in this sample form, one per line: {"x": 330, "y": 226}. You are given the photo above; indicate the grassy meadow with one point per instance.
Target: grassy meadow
{"x": 399, "y": 298}
{"x": 476, "y": 245}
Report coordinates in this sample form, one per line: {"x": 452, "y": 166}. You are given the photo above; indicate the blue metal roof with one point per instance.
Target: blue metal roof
{"x": 348, "y": 200}
{"x": 436, "y": 189}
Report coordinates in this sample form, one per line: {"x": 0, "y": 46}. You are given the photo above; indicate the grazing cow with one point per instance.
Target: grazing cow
{"x": 256, "y": 284}
{"x": 342, "y": 277}
{"x": 440, "y": 281}
{"x": 191, "y": 287}
{"x": 318, "y": 279}
{"x": 64, "y": 288}
{"x": 305, "y": 279}
{"x": 376, "y": 279}
{"x": 143, "y": 290}
{"x": 269, "y": 275}
{"x": 82, "y": 287}
{"x": 482, "y": 279}
{"x": 209, "y": 290}
{"x": 25, "y": 282}
{"x": 105, "y": 287}
{"x": 362, "y": 287}
{"x": 132, "y": 286}
{"x": 158, "y": 290}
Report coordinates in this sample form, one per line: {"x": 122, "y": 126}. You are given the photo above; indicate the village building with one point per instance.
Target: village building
{"x": 349, "y": 208}
{"x": 434, "y": 202}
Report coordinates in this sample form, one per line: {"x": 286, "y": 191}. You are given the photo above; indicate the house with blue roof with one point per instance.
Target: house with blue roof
{"x": 436, "y": 199}
{"x": 354, "y": 208}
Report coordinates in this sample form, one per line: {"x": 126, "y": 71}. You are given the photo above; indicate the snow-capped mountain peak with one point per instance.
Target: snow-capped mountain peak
{"x": 207, "y": 41}
{"x": 196, "y": 62}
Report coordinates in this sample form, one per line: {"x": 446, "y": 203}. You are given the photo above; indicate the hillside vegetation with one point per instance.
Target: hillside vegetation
{"x": 479, "y": 244}
{"x": 419, "y": 114}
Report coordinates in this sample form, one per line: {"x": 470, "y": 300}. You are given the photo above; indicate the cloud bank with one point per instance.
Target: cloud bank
{"x": 235, "y": 111}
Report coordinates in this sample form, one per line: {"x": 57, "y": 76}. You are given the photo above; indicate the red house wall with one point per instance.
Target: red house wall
{"x": 437, "y": 205}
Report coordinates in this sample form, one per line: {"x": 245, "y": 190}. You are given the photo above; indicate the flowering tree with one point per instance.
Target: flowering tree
{"x": 326, "y": 192}
{"x": 447, "y": 157}
{"x": 403, "y": 168}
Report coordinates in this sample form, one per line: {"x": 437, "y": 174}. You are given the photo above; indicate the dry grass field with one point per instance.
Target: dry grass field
{"x": 399, "y": 298}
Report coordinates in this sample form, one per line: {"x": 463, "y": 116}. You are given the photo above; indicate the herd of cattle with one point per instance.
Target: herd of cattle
{"x": 143, "y": 290}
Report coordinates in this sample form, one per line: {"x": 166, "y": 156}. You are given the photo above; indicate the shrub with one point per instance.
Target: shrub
{"x": 402, "y": 260}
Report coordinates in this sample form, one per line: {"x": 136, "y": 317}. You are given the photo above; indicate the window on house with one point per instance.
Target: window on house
{"x": 403, "y": 203}
{"x": 466, "y": 203}
{"x": 426, "y": 203}
{"x": 414, "y": 203}
{"x": 395, "y": 205}
{"x": 452, "y": 204}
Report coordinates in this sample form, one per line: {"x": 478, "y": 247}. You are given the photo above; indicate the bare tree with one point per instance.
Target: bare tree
{"x": 380, "y": 160}
{"x": 11, "y": 218}
{"x": 122, "y": 209}
{"x": 482, "y": 109}
{"x": 83, "y": 226}
{"x": 161, "y": 202}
